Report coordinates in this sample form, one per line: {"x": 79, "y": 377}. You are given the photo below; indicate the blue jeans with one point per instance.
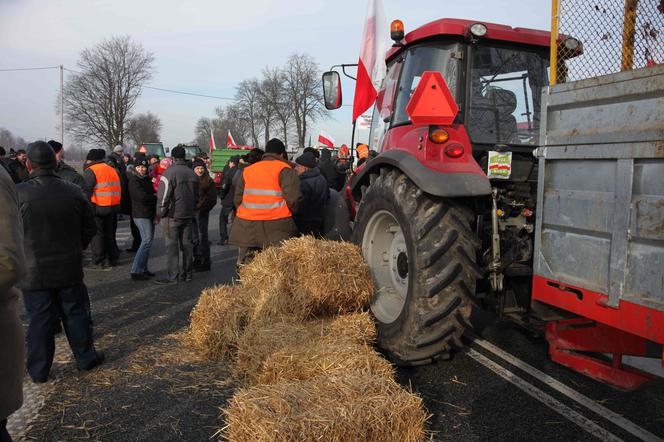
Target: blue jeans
{"x": 146, "y": 228}
{"x": 44, "y": 308}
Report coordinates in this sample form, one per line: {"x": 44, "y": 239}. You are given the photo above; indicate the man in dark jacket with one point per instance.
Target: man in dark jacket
{"x": 12, "y": 269}
{"x": 143, "y": 209}
{"x": 177, "y": 196}
{"x": 64, "y": 170}
{"x": 18, "y": 168}
{"x": 266, "y": 197}
{"x": 58, "y": 224}
{"x": 327, "y": 168}
{"x": 227, "y": 198}
{"x": 4, "y": 163}
{"x": 315, "y": 193}
{"x": 207, "y": 199}
{"x": 103, "y": 187}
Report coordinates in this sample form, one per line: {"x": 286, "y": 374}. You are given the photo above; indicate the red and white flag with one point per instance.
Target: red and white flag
{"x": 371, "y": 66}
{"x": 231, "y": 141}
{"x": 325, "y": 139}
{"x": 212, "y": 145}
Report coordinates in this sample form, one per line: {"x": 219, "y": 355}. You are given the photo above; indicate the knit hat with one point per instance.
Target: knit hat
{"x": 57, "y": 147}
{"x": 140, "y": 160}
{"x": 178, "y": 152}
{"x": 96, "y": 155}
{"x": 118, "y": 149}
{"x": 197, "y": 163}
{"x": 234, "y": 159}
{"x": 275, "y": 145}
{"x": 307, "y": 159}
{"x": 41, "y": 153}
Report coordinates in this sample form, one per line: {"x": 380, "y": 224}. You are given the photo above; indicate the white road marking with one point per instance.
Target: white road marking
{"x": 557, "y": 406}
{"x": 609, "y": 415}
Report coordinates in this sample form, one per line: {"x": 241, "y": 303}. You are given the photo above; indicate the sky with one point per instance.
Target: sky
{"x": 203, "y": 46}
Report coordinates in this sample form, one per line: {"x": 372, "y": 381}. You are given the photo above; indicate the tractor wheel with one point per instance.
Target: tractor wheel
{"x": 422, "y": 255}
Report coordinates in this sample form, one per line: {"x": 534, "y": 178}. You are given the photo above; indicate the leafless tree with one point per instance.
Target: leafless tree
{"x": 225, "y": 120}
{"x": 9, "y": 141}
{"x": 144, "y": 128}
{"x": 99, "y": 99}
{"x": 302, "y": 81}
{"x": 275, "y": 95}
{"x": 248, "y": 101}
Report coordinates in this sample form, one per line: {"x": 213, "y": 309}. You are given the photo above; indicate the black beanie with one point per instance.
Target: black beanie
{"x": 307, "y": 159}
{"x": 275, "y": 145}
{"x": 41, "y": 153}
{"x": 140, "y": 160}
{"x": 178, "y": 152}
{"x": 95, "y": 155}
{"x": 197, "y": 163}
{"x": 57, "y": 146}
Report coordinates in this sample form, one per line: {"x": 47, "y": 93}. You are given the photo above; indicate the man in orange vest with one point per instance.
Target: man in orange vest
{"x": 103, "y": 187}
{"x": 266, "y": 197}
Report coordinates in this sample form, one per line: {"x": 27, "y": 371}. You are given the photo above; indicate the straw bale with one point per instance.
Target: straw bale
{"x": 307, "y": 277}
{"x": 347, "y": 407}
{"x": 219, "y": 318}
{"x": 308, "y": 360}
{"x": 261, "y": 339}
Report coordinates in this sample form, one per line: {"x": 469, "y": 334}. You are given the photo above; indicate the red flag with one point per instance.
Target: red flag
{"x": 231, "y": 141}
{"x": 325, "y": 139}
{"x": 371, "y": 65}
{"x": 212, "y": 145}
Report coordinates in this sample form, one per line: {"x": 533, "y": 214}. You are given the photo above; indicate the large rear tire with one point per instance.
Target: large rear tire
{"x": 422, "y": 255}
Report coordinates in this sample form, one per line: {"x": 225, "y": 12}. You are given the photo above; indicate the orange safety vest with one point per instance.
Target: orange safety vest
{"x": 362, "y": 151}
{"x": 107, "y": 191}
{"x": 263, "y": 199}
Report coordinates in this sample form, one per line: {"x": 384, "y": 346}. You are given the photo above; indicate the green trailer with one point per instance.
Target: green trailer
{"x": 220, "y": 158}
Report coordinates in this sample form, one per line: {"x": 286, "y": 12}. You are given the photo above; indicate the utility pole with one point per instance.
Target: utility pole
{"x": 62, "y": 104}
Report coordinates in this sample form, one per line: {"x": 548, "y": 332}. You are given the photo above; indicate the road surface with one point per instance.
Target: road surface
{"x": 151, "y": 388}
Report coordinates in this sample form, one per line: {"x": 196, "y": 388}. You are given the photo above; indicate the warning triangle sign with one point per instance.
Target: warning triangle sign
{"x": 432, "y": 102}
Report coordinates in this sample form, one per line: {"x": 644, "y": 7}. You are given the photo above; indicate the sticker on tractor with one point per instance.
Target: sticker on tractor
{"x": 500, "y": 165}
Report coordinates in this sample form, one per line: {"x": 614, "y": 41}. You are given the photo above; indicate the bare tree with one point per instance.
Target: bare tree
{"x": 303, "y": 86}
{"x": 275, "y": 95}
{"x": 9, "y": 141}
{"x": 99, "y": 99}
{"x": 144, "y": 128}
{"x": 248, "y": 101}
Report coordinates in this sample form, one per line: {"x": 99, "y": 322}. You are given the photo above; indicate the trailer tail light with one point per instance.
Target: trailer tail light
{"x": 439, "y": 136}
{"x": 454, "y": 150}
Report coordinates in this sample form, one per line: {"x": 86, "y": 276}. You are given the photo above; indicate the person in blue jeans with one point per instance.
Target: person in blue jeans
{"x": 143, "y": 208}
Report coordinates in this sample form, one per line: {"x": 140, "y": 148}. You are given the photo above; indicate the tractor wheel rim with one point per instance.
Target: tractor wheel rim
{"x": 385, "y": 250}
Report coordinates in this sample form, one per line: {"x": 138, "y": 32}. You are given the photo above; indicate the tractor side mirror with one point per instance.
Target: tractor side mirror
{"x": 332, "y": 90}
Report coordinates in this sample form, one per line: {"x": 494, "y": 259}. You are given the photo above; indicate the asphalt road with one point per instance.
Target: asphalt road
{"x": 503, "y": 387}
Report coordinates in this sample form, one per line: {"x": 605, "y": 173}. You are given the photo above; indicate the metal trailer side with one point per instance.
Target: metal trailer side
{"x": 599, "y": 246}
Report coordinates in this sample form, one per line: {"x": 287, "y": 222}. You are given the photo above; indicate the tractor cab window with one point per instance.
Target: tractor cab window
{"x": 505, "y": 88}
{"x": 384, "y": 106}
{"x": 419, "y": 59}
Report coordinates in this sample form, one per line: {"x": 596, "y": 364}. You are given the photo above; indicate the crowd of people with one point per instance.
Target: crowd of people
{"x": 52, "y": 213}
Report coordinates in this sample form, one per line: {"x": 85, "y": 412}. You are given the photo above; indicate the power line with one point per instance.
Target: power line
{"x": 29, "y": 69}
{"x": 187, "y": 93}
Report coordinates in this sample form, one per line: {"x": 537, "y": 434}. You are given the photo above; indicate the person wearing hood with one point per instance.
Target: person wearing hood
{"x": 143, "y": 209}
{"x": 64, "y": 170}
{"x": 104, "y": 189}
{"x": 177, "y": 197}
{"x": 266, "y": 197}
{"x": 314, "y": 196}
{"x": 207, "y": 199}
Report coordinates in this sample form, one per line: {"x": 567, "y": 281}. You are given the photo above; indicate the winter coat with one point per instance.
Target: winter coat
{"x": 225, "y": 192}
{"x": 311, "y": 207}
{"x": 4, "y": 162}
{"x": 12, "y": 269}
{"x": 18, "y": 170}
{"x": 207, "y": 193}
{"x": 90, "y": 182}
{"x": 58, "y": 224}
{"x": 178, "y": 192}
{"x": 69, "y": 174}
{"x": 117, "y": 161}
{"x": 143, "y": 197}
{"x": 327, "y": 168}
{"x": 341, "y": 168}
{"x": 245, "y": 233}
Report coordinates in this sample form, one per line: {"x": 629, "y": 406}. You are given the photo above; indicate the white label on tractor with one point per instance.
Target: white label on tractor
{"x": 500, "y": 165}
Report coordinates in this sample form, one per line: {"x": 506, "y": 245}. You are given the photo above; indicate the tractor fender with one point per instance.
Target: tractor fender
{"x": 449, "y": 185}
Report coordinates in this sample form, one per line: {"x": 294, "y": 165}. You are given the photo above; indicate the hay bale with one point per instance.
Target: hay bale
{"x": 337, "y": 408}
{"x": 219, "y": 318}
{"x": 307, "y": 277}
{"x": 308, "y": 360}
{"x": 261, "y": 339}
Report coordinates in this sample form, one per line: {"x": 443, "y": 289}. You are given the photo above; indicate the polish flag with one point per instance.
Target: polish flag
{"x": 231, "y": 141}
{"x": 325, "y": 139}
{"x": 371, "y": 66}
{"x": 212, "y": 145}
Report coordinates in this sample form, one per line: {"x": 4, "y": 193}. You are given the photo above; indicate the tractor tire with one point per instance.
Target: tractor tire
{"x": 422, "y": 255}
